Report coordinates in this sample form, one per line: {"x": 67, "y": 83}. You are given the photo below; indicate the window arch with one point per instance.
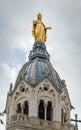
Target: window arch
{"x": 49, "y": 111}
{"x": 19, "y": 109}
{"x": 45, "y": 110}
{"x": 41, "y": 109}
{"x": 25, "y": 108}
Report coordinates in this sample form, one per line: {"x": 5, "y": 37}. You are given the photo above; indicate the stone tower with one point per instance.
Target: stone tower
{"x": 39, "y": 99}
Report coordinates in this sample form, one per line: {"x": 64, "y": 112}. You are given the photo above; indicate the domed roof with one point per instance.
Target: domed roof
{"x": 39, "y": 67}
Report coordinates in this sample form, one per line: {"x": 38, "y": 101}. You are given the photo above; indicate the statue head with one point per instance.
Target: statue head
{"x": 39, "y": 16}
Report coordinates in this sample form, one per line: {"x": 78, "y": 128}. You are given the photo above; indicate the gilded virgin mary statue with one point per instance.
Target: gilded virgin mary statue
{"x": 39, "y": 30}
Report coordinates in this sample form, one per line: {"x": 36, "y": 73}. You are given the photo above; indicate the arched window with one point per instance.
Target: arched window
{"x": 26, "y": 108}
{"x": 41, "y": 109}
{"x": 19, "y": 108}
{"x": 49, "y": 111}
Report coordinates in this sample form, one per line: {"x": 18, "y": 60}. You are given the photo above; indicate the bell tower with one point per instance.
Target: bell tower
{"x": 39, "y": 99}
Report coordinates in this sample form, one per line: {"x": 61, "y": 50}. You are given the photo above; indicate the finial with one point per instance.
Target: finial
{"x": 39, "y": 30}
{"x": 10, "y": 89}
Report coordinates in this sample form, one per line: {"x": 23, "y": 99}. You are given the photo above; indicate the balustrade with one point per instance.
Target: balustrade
{"x": 18, "y": 116}
{"x": 39, "y": 122}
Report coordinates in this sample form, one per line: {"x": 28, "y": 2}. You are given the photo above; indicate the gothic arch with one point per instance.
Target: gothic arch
{"x": 21, "y": 99}
{"x": 22, "y": 105}
{"x": 46, "y": 98}
{"x": 45, "y": 110}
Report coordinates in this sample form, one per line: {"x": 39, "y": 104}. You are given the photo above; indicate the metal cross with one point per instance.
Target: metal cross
{"x": 76, "y": 125}
{"x": 46, "y": 72}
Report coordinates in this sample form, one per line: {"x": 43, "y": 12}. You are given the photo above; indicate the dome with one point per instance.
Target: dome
{"x": 39, "y": 68}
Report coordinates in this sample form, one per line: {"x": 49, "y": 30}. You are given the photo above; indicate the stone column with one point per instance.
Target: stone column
{"x": 45, "y": 110}
{"x": 22, "y": 109}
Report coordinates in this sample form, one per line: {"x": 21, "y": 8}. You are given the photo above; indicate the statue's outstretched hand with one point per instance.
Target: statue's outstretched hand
{"x": 48, "y": 28}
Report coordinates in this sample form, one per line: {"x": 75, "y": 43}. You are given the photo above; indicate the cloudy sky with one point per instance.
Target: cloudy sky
{"x": 63, "y": 42}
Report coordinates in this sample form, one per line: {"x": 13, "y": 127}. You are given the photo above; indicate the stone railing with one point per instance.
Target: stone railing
{"x": 19, "y": 116}
{"x": 68, "y": 127}
{"x": 40, "y": 122}
{"x": 34, "y": 121}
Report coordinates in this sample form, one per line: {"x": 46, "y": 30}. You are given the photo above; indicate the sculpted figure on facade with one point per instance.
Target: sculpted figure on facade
{"x": 39, "y": 30}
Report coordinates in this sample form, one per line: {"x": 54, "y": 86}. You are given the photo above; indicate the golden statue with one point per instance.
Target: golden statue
{"x": 39, "y": 30}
